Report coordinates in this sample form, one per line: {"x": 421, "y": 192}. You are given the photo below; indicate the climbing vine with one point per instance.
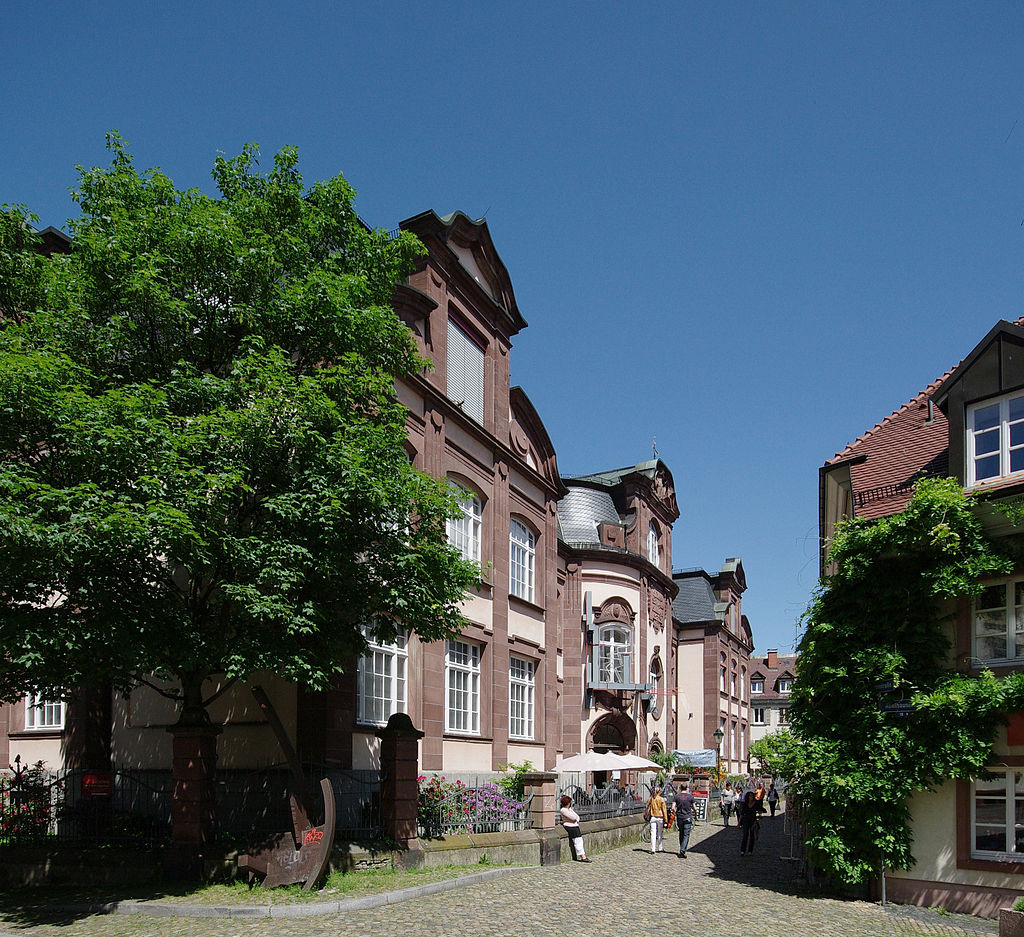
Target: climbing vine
{"x": 876, "y": 635}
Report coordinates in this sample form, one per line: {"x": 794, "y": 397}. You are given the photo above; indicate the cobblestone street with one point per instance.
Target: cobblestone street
{"x": 626, "y": 891}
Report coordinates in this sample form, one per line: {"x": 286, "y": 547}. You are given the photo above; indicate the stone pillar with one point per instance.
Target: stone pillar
{"x": 399, "y": 790}
{"x": 194, "y": 803}
{"x": 543, "y": 786}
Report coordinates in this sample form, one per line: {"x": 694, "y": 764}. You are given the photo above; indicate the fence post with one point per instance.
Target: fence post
{"x": 399, "y": 789}
{"x": 542, "y": 784}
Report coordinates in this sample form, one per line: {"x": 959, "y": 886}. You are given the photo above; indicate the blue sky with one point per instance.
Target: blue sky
{"x": 751, "y": 230}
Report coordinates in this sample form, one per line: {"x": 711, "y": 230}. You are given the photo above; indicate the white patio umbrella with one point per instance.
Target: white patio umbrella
{"x": 638, "y": 763}
{"x": 607, "y": 761}
{"x": 592, "y": 761}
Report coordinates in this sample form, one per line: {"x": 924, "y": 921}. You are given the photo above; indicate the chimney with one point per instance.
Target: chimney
{"x": 773, "y": 658}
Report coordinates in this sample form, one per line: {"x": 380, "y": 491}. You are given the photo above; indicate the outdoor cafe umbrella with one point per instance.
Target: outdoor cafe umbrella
{"x": 592, "y": 761}
{"x": 607, "y": 761}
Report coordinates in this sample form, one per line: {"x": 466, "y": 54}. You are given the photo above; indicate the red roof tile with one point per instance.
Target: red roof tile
{"x": 904, "y": 447}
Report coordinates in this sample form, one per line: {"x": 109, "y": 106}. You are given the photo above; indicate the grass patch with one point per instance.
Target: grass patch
{"x": 14, "y": 902}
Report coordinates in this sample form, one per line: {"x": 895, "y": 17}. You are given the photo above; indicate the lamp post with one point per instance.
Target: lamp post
{"x": 719, "y": 735}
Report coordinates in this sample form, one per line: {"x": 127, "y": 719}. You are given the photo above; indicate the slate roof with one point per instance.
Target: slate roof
{"x": 581, "y": 510}
{"x": 909, "y": 444}
{"x": 614, "y": 476}
{"x": 696, "y": 599}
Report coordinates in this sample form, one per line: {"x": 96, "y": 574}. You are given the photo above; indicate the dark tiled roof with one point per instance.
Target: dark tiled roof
{"x": 614, "y": 476}
{"x": 900, "y": 450}
{"x": 695, "y": 601}
{"x": 581, "y": 510}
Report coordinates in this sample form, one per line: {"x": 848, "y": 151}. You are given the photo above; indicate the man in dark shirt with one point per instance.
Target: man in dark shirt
{"x": 684, "y": 816}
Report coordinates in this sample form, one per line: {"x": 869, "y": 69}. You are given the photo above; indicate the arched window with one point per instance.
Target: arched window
{"x": 653, "y": 545}
{"x": 464, "y": 531}
{"x": 522, "y": 557}
{"x": 613, "y": 646}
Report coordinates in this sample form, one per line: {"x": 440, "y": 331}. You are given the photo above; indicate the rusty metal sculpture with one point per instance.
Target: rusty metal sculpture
{"x": 301, "y": 855}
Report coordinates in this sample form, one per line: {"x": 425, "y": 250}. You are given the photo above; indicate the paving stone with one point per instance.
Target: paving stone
{"x": 626, "y": 891}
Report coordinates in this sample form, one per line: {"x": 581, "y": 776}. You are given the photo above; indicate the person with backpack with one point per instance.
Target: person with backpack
{"x": 684, "y": 816}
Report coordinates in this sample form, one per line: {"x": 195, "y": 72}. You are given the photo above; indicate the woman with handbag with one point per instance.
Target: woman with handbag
{"x": 656, "y": 813}
{"x": 571, "y": 825}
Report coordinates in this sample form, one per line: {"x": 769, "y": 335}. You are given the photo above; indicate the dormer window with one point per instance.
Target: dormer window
{"x": 785, "y": 684}
{"x": 653, "y": 547}
{"x": 995, "y": 438}
{"x": 756, "y": 685}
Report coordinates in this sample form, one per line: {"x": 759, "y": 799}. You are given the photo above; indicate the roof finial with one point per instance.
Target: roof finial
{"x": 654, "y": 446}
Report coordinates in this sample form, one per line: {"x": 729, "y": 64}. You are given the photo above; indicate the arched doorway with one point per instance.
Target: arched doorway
{"x": 613, "y": 732}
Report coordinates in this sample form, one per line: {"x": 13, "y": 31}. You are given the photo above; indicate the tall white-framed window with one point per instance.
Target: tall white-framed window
{"x": 743, "y": 681}
{"x": 42, "y": 713}
{"x": 382, "y": 679}
{"x": 521, "y": 674}
{"x": 757, "y": 715}
{"x": 723, "y": 676}
{"x": 614, "y": 643}
{"x": 462, "y": 680}
{"x": 784, "y": 716}
{"x": 756, "y": 685}
{"x": 997, "y": 815}
{"x": 653, "y": 544}
{"x": 995, "y": 438}
{"x": 464, "y": 531}
{"x": 465, "y": 372}
{"x": 999, "y": 622}
{"x": 522, "y": 555}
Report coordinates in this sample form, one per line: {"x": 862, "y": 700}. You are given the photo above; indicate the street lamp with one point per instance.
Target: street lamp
{"x": 719, "y": 735}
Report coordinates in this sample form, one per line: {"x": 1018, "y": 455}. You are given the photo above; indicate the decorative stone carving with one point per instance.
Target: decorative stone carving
{"x": 614, "y": 609}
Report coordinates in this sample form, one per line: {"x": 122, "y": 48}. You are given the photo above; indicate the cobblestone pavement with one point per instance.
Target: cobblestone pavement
{"x": 625, "y": 891}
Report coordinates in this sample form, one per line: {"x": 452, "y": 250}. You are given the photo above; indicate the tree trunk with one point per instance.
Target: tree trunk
{"x": 194, "y": 762}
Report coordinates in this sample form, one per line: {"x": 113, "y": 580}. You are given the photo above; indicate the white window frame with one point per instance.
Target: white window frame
{"x": 785, "y": 684}
{"x": 757, "y": 715}
{"x": 756, "y": 686}
{"x": 1009, "y": 416}
{"x": 653, "y": 544}
{"x": 614, "y": 653}
{"x": 462, "y": 687}
{"x": 522, "y": 557}
{"x": 383, "y": 679}
{"x": 465, "y": 369}
{"x": 43, "y": 715}
{"x": 784, "y": 716}
{"x": 1003, "y": 621}
{"x": 464, "y": 532}
{"x": 522, "y": 677}
{"x": 1007, "y": 787}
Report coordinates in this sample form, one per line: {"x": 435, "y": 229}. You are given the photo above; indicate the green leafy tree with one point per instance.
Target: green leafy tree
{"x": 204, "y": 471}
{"x": 778, "y": 753}
{"x": 875, "y": 622}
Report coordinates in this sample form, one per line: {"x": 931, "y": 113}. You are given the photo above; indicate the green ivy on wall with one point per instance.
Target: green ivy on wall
{"x": 874, "y": 635}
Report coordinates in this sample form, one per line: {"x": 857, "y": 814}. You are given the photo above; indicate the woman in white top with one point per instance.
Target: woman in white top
{"x": 571, "y": 825}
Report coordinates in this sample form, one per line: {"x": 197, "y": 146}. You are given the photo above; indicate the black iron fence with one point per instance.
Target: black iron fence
{"x": 133, "y": 807}
{"x": 484, "y": 809}
{"x": 604, "y": 802}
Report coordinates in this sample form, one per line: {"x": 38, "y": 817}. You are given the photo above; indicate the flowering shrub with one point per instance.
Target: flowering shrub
{"x": 25, "y": 807}
{"x": 447, "y": 808}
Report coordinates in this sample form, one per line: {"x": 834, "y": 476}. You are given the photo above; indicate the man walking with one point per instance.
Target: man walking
{"x": 684, "y": 816}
